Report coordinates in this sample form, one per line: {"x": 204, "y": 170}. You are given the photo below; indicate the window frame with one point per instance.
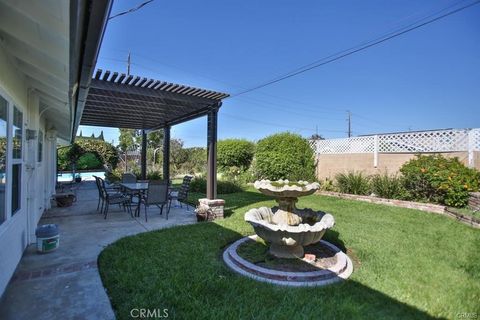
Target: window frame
{"x": 9, "y": 217}
{"x": 6, "y": 213}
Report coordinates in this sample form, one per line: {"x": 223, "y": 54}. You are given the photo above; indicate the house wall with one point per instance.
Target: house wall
{"x": 328, "y": 165}
{"x": 37, "y": 184}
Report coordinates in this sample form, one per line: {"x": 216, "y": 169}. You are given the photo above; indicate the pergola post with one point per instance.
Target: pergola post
{"x": 211, "y": 201}
{"x": 166, "y": 153}
{"x": 144, "y": 155}
{"x": 212, "y": 153}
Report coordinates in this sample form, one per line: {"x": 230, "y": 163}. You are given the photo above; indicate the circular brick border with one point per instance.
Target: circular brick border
{"x": 340, "y": 271}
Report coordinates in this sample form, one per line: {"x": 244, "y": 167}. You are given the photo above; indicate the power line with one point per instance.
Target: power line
{"x": 336, "y": 57}
{"x": 131, "y": 10}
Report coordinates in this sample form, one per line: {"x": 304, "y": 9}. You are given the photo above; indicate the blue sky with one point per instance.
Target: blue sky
{"x": 426, "y": 79}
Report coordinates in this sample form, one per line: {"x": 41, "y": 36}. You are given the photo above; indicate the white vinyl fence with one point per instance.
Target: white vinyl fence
{"x": 448, "y": 140}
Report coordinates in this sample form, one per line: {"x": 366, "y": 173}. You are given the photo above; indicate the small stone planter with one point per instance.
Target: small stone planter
{"x": 204, "y": 213}
{"x": 64, "y": 199}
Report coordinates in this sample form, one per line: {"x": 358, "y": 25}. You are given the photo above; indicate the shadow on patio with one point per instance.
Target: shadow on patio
{"x": 65, "y": 283}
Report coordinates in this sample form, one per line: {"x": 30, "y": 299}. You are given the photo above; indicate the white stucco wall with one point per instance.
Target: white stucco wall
{"x": 38, "y": 179}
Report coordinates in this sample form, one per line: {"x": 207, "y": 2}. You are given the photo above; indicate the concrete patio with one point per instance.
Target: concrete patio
{"x": 65, "y": 284}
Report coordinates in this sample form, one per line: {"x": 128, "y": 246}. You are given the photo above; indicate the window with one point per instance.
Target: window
{"x": 3, "y": 156}
{"x": 40, "y": 146}
{"x": 17, "y": 143}
{"x": 16, "y": 187}
{"x": 17, "y": 133}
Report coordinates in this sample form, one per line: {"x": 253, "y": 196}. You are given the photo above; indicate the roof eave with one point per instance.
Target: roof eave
{"x": 88, "y": 23}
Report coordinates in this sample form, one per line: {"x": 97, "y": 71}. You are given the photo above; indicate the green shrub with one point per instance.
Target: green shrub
{"x": 388, "y": 186}
{"x": 328, "y": 185}
{"x": 103, "y": 151}
{"x": 235, "y": 153}
{"x": 353, "y": 183}
{"x": 284, "y": 156}
{"x": 89, "y": 161}
{"x": 63, "y": 164}
{"x": 154, "y": 175}
{"x": 114, "y": 175}
{"x": 106, "y": 152}
{"x": 435, "y": 178}
{"x": 199, "y": 184}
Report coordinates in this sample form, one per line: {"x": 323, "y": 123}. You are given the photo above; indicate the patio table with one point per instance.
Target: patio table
{"x": 136, "y": 188}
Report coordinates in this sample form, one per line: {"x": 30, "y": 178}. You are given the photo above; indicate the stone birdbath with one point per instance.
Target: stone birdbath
{"x": 286, "y": 228}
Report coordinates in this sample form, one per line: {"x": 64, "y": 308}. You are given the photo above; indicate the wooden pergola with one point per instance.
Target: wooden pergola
{"x": 131, "y": 102}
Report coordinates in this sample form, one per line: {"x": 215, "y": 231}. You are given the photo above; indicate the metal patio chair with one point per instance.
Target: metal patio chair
{"x": 181, "y": 194}
{"x": 157, "y": 194}
{"x": 109, "y": 188}
{"x": 109, "y": 198}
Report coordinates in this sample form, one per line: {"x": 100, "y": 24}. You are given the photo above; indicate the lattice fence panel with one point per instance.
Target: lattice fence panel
{"x": 426, "y": 141}
{"x": 411, "y": 142}
{"x": 348, "y": 145}
{"x": 476, "y": 139}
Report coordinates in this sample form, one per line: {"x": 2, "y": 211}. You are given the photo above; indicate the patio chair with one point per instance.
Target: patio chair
{"x": 181, "y": 194}
{"x": 110, "y": 198}
{"x": 109, "y": 188}
{"x": 129, "y": 178}
{"x": 157, "y": 194}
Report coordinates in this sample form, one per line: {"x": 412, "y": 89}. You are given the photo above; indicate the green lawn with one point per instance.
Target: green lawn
{"x": 409, "y": 264}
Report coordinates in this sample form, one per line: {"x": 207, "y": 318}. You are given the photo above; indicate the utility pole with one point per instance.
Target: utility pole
{"x": 128, "y": 64}
{"x": 349, "y": 119}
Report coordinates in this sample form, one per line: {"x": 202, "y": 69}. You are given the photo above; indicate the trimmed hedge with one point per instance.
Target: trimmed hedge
{"x": 235, "y": 153}
{"x": 285, "y": 156}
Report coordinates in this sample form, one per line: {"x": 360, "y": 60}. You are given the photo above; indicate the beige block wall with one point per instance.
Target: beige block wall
{"x": 328, "y": 165}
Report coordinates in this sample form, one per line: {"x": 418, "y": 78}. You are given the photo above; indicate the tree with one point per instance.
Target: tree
{"x": 73, "y": 155}
{"x": 155, "y": 139}
{"x": 178, "y": 155}
{"x": 127, "y": 139}
{"x": 196, "y": 161}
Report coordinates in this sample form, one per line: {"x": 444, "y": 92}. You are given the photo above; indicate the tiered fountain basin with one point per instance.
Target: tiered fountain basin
{"x": 287, "y": 229}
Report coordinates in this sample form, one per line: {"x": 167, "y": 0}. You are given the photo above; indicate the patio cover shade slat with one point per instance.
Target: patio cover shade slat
{"x": 128, "y": 101}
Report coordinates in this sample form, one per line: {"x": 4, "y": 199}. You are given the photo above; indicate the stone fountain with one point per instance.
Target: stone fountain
{"x": 286, "y": 228}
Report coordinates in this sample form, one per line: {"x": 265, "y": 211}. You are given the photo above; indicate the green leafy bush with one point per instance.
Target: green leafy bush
{"x": 353, "y": 183}
{"x": 435, "y": 178}
{"x": 89, "y": 161}
{"x": 63, "y": 163}
{"x": 284, "y": 156}
{"x": 114, "y": 176}
{"x": 388, "y": 186}
{"x": 154, "y": 175}
{"x": 106, "y": 152}
{"x": 103, "y": 151}
{"x": 328, "y": 185}
{"x": 199, "y": 184}
{"x": 235, "y": 153}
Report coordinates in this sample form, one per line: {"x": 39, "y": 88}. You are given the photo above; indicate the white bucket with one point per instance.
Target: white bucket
{"x": 48, "y": 244}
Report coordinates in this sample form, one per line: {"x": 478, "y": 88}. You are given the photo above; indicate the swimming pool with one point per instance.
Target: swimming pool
{"x": 86, "y": 176}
